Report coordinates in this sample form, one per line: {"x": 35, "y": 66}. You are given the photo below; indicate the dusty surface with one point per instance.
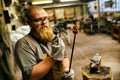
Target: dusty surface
{"x": 86, "y": 46}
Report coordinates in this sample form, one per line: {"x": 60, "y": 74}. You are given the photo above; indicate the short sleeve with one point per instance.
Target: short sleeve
{"x": 25, "y": 57}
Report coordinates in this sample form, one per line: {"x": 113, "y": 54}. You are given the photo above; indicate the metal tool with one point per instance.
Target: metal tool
{"x": 75, "y": 31}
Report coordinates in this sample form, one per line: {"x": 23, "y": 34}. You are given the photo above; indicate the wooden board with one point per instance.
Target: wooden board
{"x": 51, "y": 14}
{"x": 70, "y": 12}
{"x": 59, "y": 13}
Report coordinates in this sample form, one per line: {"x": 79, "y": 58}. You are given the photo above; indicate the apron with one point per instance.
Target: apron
{"x": 57, "y": 69}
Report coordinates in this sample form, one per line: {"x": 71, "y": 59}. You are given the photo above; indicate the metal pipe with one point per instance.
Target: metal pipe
{"x": 75, "y": 31}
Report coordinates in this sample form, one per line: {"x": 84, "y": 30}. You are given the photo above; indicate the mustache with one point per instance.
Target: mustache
{"x": 44, "y": 26}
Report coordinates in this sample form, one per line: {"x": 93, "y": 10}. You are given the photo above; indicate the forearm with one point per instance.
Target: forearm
{"x": 68, "y": 74}
{"x": 66, "y": 63}
{"x": 41, "y": 69}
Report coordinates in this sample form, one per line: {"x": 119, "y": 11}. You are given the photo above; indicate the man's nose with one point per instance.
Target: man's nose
{"x": 42, "y": 22}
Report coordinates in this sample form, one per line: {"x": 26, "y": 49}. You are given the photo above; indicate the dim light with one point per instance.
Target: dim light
{"x": 36, "y": 2}
{"x": 67, "y": 0}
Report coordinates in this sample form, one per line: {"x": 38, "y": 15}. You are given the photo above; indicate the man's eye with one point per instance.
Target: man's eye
{"x": 37, "y": 20}
{"x": 40, "y": 19}
{"x": 46, "y": 18}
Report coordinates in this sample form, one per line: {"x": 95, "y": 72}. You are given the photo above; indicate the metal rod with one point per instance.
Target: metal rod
{"x": 72, "y": 52}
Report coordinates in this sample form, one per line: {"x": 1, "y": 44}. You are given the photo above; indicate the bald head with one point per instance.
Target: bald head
{"x": 33, "y": 10}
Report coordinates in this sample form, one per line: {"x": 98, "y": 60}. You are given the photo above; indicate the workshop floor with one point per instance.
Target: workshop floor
{"x": 86, "y": 46}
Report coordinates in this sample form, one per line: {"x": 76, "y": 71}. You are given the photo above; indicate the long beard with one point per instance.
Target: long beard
{"x": 46, "y": 34}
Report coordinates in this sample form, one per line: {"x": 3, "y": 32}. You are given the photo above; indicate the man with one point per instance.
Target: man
{"x": 37, "y": 58}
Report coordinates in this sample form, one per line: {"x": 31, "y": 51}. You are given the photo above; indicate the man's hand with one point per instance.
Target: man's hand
{"x": 58, "y": 50}
{"x": 68, "y": 75}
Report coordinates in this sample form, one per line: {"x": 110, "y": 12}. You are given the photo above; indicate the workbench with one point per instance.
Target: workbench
{"x": 104, "y": 73}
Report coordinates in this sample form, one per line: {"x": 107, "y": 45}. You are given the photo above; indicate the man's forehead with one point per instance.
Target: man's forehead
{"x": 38, "y": 12}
